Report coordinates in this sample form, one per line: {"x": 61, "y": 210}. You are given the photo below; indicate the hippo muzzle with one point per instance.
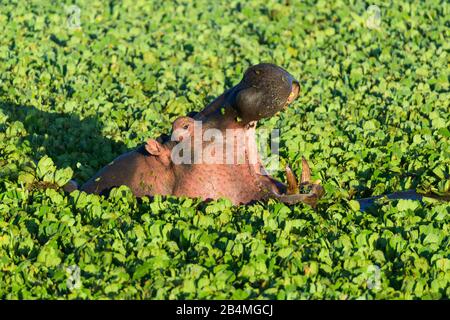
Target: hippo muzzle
{"x": 264, "y": 90}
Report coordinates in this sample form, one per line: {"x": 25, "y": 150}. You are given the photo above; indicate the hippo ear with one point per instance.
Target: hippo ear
{"x": 153, "y": 147}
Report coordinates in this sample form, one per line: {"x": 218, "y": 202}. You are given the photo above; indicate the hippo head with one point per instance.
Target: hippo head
{"x": 264, "y": 90}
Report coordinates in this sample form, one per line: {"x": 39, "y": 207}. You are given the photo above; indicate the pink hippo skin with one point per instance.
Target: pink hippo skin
{"x": 208, "y": 175}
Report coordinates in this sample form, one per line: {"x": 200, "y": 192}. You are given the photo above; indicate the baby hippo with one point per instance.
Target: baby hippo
{"x": 146, "y": 170}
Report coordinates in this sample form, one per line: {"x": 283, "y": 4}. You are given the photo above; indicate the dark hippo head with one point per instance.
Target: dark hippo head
{"x": 264, "y": 90}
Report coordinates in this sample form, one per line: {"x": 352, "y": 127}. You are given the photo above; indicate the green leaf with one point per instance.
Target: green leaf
{"x": 26, "y": 178}
{"x": 354, "y": 205}
{"x": 285, "y": 252}
{"x": 45, "y": 168}
{"x": 404, "y": 205}
{"x": 49, "y": 255}
{"x": 63, "y": 176}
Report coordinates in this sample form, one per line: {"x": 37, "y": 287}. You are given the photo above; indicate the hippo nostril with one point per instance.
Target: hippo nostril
{"x": 297, "y": 84}
{"x": 295, "y": 92}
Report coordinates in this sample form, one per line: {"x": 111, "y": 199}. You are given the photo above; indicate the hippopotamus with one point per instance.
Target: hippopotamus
{"x": 192, "y": 162}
